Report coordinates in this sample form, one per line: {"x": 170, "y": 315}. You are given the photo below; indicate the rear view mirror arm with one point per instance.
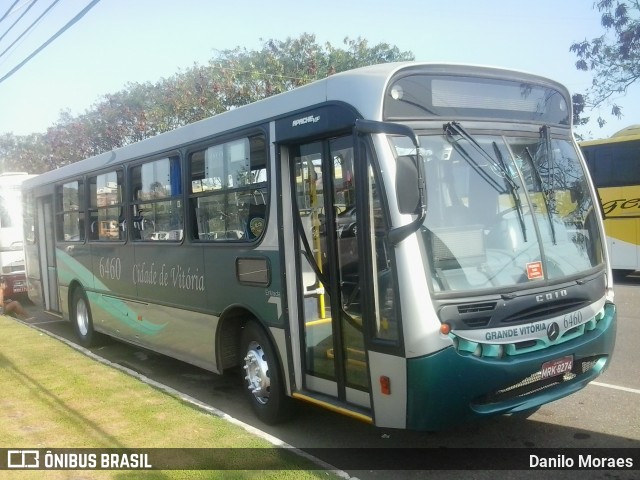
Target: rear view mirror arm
{"x": 396, "y": 235}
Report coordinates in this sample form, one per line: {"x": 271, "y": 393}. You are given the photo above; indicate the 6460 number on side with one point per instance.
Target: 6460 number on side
{"x": 110, "y": 268}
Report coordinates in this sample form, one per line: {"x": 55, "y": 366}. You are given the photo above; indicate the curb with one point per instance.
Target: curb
{"x": 195, "y": 402}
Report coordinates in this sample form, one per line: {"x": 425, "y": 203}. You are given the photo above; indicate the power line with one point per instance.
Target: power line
{"x": 9, "y": 11}
{"x": 19, "y": 18}
{"x": 29, "y": 27}
{"x": 82, "y": 13}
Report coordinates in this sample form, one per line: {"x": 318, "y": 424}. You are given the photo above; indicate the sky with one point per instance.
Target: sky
{"x": 125, "y": 41}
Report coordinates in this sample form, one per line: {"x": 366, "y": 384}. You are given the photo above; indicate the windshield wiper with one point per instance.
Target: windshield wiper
{"x": 513, "y": 188}
{"x": 452, "y": 128}
{"x": 498, "y": 166}
{"x": 545, "y": 193}
{"x": 545, "y": 134}
{"x": 449, "y": 130}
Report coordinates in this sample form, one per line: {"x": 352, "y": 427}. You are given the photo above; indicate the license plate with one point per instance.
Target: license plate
{"x": 559, "y": 366}
{"x": 19, "y": 289}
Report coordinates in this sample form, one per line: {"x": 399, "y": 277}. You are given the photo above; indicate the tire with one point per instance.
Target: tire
{"x": 262, "y": 377}
{"x": 81, "y": 319}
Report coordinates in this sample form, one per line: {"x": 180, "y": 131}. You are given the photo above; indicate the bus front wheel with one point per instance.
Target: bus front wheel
{"x": 263, "y": 383}
{"x": 81, "y": 318}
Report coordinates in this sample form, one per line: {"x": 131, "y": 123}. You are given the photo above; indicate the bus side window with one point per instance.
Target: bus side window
{"x": 156, "y": 209}
{"x": 93, "y": 209}
{"x": 257, "y": 211}
{"x": 105, "y": 207}
{"x": 136, "y": 217}
{"x": 229, "y": 197}
{"x": 387, "y": 327}
{"x": 70, "y": 211}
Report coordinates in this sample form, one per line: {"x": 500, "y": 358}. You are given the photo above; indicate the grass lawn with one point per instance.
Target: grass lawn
{"x": 52, "y": 396}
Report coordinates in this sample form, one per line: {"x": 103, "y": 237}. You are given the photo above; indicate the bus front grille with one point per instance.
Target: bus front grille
{"x": 534, "y": 383}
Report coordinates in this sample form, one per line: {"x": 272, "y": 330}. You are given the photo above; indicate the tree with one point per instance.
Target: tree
{"x": 614, "y": 57}
{"x": 26, "y": 153}
{"x": 230, "y": 79}
{"x": 239, "y": 76}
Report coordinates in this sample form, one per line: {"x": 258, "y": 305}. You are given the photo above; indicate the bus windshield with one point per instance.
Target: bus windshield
{"x": 504, "y": 211}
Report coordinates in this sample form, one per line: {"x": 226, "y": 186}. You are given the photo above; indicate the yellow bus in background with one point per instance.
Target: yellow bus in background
{"x": 615, "y": 168}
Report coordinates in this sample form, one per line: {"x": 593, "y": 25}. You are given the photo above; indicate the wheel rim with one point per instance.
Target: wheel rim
{"x": 257, "y": 373}
{"x": 82, "y": 317}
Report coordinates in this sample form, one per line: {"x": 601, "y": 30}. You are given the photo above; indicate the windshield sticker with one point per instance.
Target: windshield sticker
{"x": 534, "y": 270}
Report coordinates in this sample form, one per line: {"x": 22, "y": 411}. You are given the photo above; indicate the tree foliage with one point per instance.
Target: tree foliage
{"x": 614, "y": 57}
{"x": 230, "y": 79}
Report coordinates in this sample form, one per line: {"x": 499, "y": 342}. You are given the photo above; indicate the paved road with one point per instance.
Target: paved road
{"x": 604, "y": 414}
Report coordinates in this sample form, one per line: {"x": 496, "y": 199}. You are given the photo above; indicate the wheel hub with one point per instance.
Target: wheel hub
{"x": 82, "y": 318}
{"x": 257, "y": 373}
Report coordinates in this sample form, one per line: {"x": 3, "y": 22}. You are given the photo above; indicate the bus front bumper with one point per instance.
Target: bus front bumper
{"x": 451, "y": 387}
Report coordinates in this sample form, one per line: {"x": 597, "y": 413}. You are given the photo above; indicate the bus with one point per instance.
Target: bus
{"x": 12, "y": 269}
{"x": 410, "y": 244}
{"x": 614, "y": 164}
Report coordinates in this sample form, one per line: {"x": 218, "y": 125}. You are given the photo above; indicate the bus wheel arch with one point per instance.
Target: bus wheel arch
{"x": 227, "y": 340}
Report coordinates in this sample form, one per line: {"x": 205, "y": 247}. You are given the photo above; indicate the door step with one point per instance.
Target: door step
{"x": 333, "y": 405}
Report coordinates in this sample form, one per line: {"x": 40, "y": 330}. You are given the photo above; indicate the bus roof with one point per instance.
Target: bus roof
{"x": 627, "y": 134}
{"x": 13, "y": 178}
{"x": 362, "y": 88}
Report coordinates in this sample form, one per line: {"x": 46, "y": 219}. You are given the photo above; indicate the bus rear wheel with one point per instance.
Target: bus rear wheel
{"x": 262, "y": 376}
{"x": 81, "y": 318}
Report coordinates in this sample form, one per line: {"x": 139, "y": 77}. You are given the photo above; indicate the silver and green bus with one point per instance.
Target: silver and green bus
{"x": 412, "y": 245}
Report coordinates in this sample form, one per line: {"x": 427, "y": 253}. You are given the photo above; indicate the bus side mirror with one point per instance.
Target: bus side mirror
{"x": 407, "y": 184}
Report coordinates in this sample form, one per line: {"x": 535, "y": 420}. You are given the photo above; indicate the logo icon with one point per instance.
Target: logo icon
{"x": 23, "y": 459}
{"x": 553, "y": 330}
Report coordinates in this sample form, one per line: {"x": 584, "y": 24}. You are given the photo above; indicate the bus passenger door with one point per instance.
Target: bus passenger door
{"x": 47, "y": 254}
{"x": 332, "y": 351}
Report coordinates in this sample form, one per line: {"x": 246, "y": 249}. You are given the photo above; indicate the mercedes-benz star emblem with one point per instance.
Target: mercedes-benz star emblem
{"x": 553, "y": 330}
